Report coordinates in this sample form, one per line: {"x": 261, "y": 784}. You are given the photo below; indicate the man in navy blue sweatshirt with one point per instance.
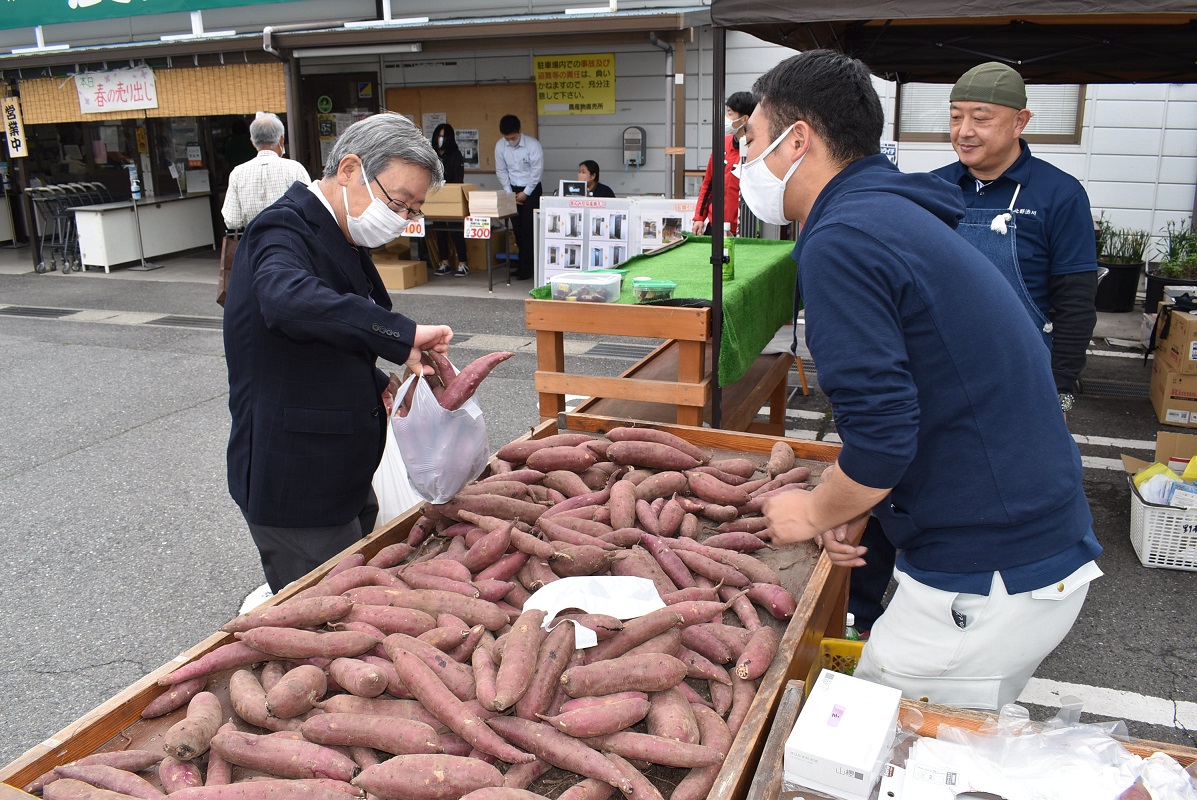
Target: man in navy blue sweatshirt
{"x": 942, "y": 392}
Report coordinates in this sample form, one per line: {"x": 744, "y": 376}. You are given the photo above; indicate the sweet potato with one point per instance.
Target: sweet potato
{"x": 653, "y": 455}
{"x": 294, "y": 643}
{"x": 175, "y": 775}
{"x": 627, "y": 433}
{"x": 639, "y": 563}
{"x": 555, "y": 649}
{"x": 647, "y": 672}
{"x": 566, "y": 481}
{"x": 531, "y": 477}
{"x": 227, "y": 656}
{"x": 463, "y": 651}
{"x": 519, "y": 659}
{"x": 517, "y": 452}
{"x": 462, "y": 388}
{"x": 714, "y": 733}
{"x": 710, "y": 568}
{"x": 670, "y": 517}
{"x": 439, "y": 567}
{"x": 635, "y": 631}
{"x": 709, "y": 488}
{"x": 658, "y": 750}
{"x": 560, "y": 750}
{"x": 219, "y": 772}
{"x": 485, "y": 674}
{"x": 596, "y": 720}
{"x": 688, "y": 529}
{"x": 670, "y": 563}
{"x": 357, "y": 677}
{"x": 248, "y": 699}
{"x": 623, "y": 504}
{"x": 699, "y": 667}
{"x": 191, "y": 736}
{"x": 749, "y": 524}
{"x": 391, "y": 619}
{"x": 504, "y": 569}
{"x": 580, "y": 559}
{"x": 588, "y": 789}
{"x": 267, "y": 789}
{"x": 721, "y": 696}
{"x": 566, "y": 534}
{"x": 73, "y": 789}
{"x": 390, "y": 556}
{"x": 642, "y": 787}
{"x": 416, "y": 580}
{"x": 333, "y": 585}
{"x": 433, "y": 602}
{"x": 646, "y": 517}
{"x": 487, "y": 550}
{"x": 520, "y": 777}
{"x": 297, "y": 692}
{"x": 738, "y": 541}
{"x": 758, "y": 655}
{"x": 704, "y": 593}
{"x": 112, "y": 779}
{"x": 454, "y": 714}
{"x": 392, "y": 708}
{"x": 491, "y": 505}
{"x": 671, "y": 716}
{"x": 781, "y": 459}
{"x": 743, "y": 692}
{"x": 175, "y": 697}
{"x": 377, "y": 732}
{"x": 505, "y": 488}
{"x": 744, "y": 609}
{"x": 604, "y": 625}
{"x": 575, "y": 703}
{"x": 536, "y": 573}
{"x": 574, "y": 459}
{"x": 455, "y": 676}
{"x": 791, "y": 476}
{"x": 427, "y": 777}
{"x": 284, "y": 757}
{"x": 701, "y": 640}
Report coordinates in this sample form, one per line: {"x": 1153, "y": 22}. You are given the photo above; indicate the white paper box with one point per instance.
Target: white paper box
{"x": 842, "y": 736}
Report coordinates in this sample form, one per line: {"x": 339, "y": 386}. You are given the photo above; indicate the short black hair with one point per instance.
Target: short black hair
{"x": 591, "y": 167}
{"x": 831, "y": 92}
{"x": 743, "y": 103}
{"x": 510, "y": 123}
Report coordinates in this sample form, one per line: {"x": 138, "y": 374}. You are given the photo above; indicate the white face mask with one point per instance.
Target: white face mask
{"x": 731, "y": 126}
{"x": 377, "y": 225}
{"x": 763, "y": 191}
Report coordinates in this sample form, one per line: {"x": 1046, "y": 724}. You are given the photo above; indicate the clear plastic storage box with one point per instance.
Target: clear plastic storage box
{"x": 586, "y": 287}
{"x": 648, "y": 290}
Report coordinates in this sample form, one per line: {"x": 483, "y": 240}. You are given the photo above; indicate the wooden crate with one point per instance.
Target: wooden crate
{"x": 822, "y": 603}
{"x": 923, "y": 719}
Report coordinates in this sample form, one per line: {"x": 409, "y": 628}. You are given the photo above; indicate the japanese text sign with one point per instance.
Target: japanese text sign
{"x": 14, "y": 129}
{"x": 477, "y": 227}
{"x": 575, "y": 84}
{"x": 116, "y": 90}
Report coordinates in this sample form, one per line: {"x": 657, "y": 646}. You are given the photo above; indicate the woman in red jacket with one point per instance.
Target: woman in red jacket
{"x": 739, "y": 107}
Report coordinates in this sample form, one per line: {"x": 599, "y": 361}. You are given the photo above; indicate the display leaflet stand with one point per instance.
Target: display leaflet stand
{"x": 12, "y": 224}
{"x": 144, "y": 266}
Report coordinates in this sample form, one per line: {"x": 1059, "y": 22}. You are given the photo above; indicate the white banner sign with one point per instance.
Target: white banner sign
{"x": 14, "y": 129}
{"x": 116, "y": 90}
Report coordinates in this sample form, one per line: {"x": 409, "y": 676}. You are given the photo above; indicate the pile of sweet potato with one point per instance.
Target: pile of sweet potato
{"x": 415, "y": 675}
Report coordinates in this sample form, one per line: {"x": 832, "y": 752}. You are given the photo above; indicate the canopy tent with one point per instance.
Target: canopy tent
{"x": 934, "y": 41}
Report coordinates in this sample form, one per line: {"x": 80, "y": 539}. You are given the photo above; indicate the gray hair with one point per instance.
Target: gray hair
{"x": 265, "y": 130}
{"x": 382, "y": 138}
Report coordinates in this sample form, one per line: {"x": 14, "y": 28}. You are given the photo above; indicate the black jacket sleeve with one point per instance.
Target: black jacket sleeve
{"x": 1073, "y": 316}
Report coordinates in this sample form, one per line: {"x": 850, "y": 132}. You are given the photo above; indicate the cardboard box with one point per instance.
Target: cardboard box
{"x": 401, "y": 247}
{"x": 1178, "y": 350}
{"x": 476, "y": 250}
{"x": 451, "y": 200}
{"x": 1172, "y": 449}
{"x": 1173, "y": 395}
{"x": 843, "y": 735}
{"x": 398, "y": 274}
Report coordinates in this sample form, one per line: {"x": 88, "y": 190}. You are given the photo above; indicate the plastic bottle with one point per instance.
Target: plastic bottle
{"x": 850, "y": 631}
{"x": 729, "y": 253}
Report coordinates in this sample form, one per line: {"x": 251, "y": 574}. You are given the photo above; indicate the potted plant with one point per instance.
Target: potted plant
{"x": 1122, "y": 251}
{"x": 1177, "y": 265}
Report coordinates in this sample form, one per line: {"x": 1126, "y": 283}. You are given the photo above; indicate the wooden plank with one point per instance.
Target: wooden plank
{"x": 550, "y": 357}
{"x": 744, "y": 398}
{"x": 648, "y": 322}
{"x": 597, "y": 386}
{"x": 707, "y": 437}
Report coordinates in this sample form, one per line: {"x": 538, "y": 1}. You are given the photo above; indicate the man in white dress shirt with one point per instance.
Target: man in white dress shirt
{"x": 519, "y": 165}
{"x": 260, "y": 181}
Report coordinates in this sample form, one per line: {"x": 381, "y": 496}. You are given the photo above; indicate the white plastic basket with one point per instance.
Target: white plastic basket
{"x": 1163, "y": 536}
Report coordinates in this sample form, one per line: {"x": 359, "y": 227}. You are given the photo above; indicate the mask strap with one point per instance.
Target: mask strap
{"x": 776, "y": 142}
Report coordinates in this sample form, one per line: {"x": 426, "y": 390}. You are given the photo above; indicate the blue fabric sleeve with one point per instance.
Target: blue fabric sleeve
{"x": 1072, "y": 245}
{"x": 852, "y": 286}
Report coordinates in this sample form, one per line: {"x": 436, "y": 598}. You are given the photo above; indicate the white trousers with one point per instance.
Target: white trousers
{"x": 969, "y": 650}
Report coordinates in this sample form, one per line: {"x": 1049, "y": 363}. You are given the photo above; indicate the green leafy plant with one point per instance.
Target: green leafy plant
{"x": 1120, "y": 245}
{"x": 1178, "y": 253}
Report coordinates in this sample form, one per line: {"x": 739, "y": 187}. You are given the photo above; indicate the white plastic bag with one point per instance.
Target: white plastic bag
{"x": 444, "y": 450}
{"x": 391, "y": 485}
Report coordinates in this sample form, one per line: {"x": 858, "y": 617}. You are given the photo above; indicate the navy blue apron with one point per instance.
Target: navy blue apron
{"x": 994, "y": 232}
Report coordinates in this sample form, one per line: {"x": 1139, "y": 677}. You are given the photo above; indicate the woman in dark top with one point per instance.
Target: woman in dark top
{"x": 589, "y": 171}
{"x": 444, "y": 140}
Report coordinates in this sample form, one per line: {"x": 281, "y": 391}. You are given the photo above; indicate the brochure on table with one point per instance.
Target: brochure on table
{"x": 588, "y": 233}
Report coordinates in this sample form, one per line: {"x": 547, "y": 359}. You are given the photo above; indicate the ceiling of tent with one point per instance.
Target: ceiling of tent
{"x": 934, "y": 41}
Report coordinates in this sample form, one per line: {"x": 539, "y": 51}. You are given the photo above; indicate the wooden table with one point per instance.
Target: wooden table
{"x": 821, "y": 590}
{"x": 674, "y": 383}
{"x": 923, "y": 719}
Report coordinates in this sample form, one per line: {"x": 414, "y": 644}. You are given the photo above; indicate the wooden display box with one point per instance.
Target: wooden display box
{"x": 923, "y": 719}
{"x": 821, "y": 590}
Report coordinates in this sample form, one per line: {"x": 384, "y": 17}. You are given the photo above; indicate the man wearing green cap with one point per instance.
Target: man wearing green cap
{"x": 1030, "y": 218}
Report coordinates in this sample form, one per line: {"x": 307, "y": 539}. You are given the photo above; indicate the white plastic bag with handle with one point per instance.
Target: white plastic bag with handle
{"x": 443, "y": 450}
{"x": 391, "y": 485}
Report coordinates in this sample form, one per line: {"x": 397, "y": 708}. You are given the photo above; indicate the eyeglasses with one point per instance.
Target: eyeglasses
{"x": 398, "y": 206}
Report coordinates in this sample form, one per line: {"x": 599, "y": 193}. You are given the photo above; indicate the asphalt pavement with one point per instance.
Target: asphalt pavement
{"x": 121, "y": 547}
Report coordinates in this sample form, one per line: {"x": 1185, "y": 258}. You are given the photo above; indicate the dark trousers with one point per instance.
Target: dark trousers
{"x": 443, "y": 236}
{"x": 290, "y": 553}
{"x": 525, "y": 236}
{"x": 867, "y": 585}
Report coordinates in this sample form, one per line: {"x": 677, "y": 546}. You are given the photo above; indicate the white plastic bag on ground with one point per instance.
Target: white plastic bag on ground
{"x": 444, "y": 450}
{"x": 391, "y": 485}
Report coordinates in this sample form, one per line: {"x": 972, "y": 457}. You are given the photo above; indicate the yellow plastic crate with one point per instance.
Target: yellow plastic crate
{"x": 837, "y": 655}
